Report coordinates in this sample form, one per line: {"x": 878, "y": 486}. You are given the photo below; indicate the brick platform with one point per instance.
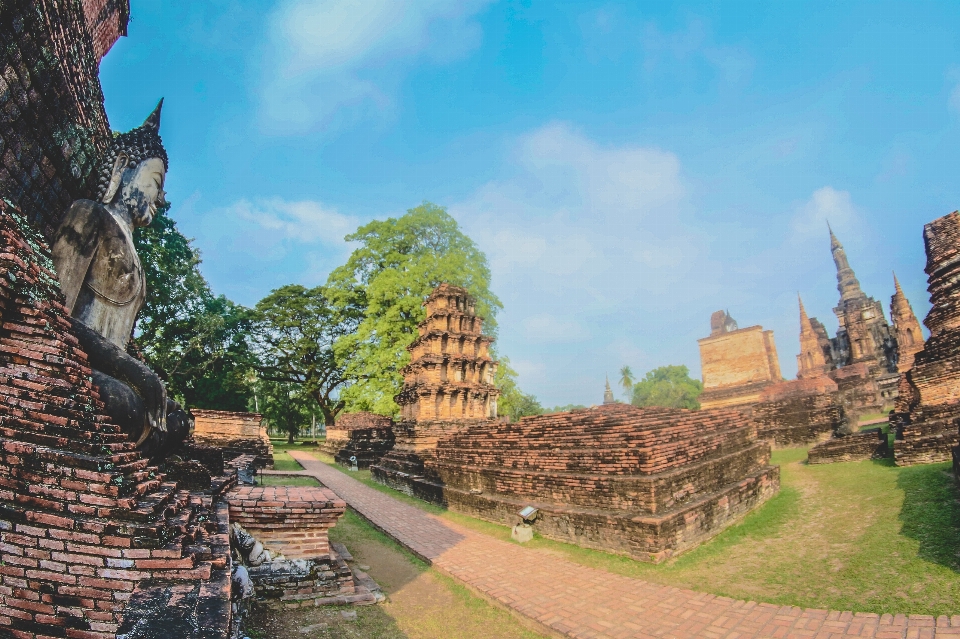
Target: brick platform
{"x": 234, "y": 434}
{"x": 646, "y": 482}
{"x": 798, "y": 412}
{"x": 293, "y": 520}
{"x": 575, "y": 601}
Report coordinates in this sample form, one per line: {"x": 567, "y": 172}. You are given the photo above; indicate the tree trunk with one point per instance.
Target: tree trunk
{"x": 290, "y": 437}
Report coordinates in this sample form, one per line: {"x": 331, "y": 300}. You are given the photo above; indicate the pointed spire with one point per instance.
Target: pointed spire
{"x": 608, "y": 393}
{"x": 805, "y": 324}
{"x": 153, "y": 120}
{"x": 834, "y": 242}
{"x": 896, "y": 284}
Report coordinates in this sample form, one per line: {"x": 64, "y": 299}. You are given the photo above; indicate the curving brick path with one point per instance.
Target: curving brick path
{"x": 577, "y": 601}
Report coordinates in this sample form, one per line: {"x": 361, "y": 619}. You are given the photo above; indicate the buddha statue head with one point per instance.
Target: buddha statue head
{"x": 132, "y": 172}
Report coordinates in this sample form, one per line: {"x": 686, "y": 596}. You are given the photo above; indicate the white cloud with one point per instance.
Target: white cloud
{"x": 325, "y": 56}
{"x": 303, "y": 221}
{"x": 827, "y": 204}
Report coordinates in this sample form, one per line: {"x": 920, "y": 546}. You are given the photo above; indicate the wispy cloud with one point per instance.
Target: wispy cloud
{"x": 326, "y": 57}
{"x": 305, "y": 221}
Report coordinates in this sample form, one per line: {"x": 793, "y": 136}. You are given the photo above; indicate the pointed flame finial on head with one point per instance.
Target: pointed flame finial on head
{"x": 153, "y": 120}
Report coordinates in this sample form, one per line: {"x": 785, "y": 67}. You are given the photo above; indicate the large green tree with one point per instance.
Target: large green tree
{"x": 513, "y": 402}
{"x": 285, "y": 406}
{"x": 196, "y": 341}
{"x": 668, "y": 386}
{"x": 398, "y": 262}
{"x": 294, "y": 335}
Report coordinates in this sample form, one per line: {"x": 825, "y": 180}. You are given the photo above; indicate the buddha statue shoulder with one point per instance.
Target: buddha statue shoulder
{"x": 103, "y": 283}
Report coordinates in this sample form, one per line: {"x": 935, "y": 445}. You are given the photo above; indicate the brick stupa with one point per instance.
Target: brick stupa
{"x": 447, "y": 386}
{"x": 928, "y": 409}
{"x": 364, "y": 436}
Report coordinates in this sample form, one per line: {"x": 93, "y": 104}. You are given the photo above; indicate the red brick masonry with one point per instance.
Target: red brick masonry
{"x": 293, "y": 520}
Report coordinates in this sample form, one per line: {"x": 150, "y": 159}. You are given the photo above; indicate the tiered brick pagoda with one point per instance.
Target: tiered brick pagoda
{"x": 737, "y": 363}
{"x": 927, "y": 415}
{"x": 447, "y": 386}
{"x": 450, "y": 375}
{"x": 644, "y": 482}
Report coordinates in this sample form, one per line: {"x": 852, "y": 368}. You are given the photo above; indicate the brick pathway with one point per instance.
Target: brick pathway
{"x": 577, "y": 601}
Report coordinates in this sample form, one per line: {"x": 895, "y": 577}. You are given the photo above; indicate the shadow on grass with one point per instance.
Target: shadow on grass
{"x": 931, "y": 513}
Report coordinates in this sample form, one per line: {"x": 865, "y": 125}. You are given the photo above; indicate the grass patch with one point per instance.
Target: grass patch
{"x": 287, "y": 480}
{"x": 284, "y": 462}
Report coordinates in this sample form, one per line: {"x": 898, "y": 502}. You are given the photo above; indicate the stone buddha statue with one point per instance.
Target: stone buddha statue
{"x": 103, "y": 282}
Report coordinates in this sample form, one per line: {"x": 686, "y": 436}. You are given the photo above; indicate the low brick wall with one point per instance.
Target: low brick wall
{"x": 866, "y": 444}
{"x": 293, "y": 520}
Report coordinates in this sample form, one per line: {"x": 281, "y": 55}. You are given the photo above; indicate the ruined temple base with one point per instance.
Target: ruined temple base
{"x": 798, "y": 412}
{"x": 304, "y": 583}
{"x": 866, "y": 444}
{"x": 402, "y": 467}
{"x": 928, "y": 441}
{"x": 653, "y": 538}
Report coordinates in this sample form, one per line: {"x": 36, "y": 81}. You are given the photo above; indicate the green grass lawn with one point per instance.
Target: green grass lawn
{"x": 865, "y": 536}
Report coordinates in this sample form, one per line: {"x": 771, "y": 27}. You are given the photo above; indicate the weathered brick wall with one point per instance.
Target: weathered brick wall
{"x": 798, "y": 412}
{"x": 647, "y": 482}
{"x": 53, "y": 127}
{"x": 106, "y": 21}
{"x": 233, "y": 432}
{"x": 743, "y": 360}
{"x": 927, "y": 418}
{"x": 293, "y": 520}
{"x": 867, "y": 444}
{"x": 366, "y": 436}
{"x": 83, "y": 518}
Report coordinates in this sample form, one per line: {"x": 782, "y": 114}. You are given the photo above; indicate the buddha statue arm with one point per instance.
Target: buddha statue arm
{"x": 108, "y": 358}
{"x": 74, "y": 247}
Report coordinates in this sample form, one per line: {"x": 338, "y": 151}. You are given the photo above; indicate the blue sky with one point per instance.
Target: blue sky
{"x": 627, "y": 169}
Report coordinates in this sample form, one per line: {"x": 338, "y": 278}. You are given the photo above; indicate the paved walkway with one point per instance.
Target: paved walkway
{"x": 577, "y": 601}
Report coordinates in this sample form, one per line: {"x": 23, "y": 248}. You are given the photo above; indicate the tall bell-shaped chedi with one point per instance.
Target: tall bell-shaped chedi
{"x": 864, "y": 335}
{"x": 909, "y": 333}
{"x": 450, "y": 375}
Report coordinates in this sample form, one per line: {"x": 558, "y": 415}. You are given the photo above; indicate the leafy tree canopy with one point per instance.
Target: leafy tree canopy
{"x": 513, "y": 402}
{"x": 193, "y": 339}
{"x": 398, "y": 262}
{"x": 668, "y": 386}
{"x": 285, "y": 407}
{"x": 294, "y": 336}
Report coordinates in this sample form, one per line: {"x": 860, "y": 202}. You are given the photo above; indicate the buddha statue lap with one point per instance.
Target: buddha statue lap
{"x": 104, "y": 285}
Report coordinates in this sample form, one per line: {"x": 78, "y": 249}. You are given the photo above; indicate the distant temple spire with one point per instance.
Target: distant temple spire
{"x": 847, "y": 283}
{"x": 804, "y": 319}
{"x": 908, "y": 331}
{"x": 608, "y": 394}
{"x": 812, "y": 360}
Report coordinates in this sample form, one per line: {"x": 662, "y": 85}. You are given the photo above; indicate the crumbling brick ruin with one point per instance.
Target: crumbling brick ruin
{"x": 927, "y": 414}
{"x": 798, "y": 412}
{"x": 282, "y": 533}
{"x": 234, "y": 434}
{"x": 865, "y": 444}
{"x": 85, "y": 522}
{"x": 909, "y": 334}
{"x": 447, "y": 386}
{"x": 645, "y": 482}
{"x": 364, "y": 436}
{"x": 737, "y": 363}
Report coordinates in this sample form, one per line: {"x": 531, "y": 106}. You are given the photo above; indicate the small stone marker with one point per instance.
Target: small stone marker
{"x": 522, "y": 533}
